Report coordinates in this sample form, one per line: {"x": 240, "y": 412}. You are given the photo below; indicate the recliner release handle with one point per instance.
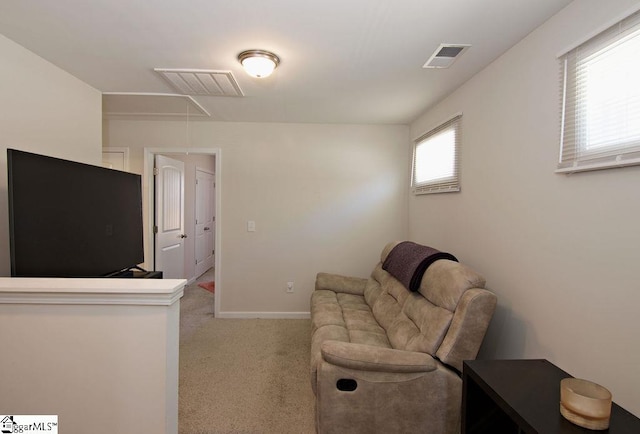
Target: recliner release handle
{"x": 347, "y": 384}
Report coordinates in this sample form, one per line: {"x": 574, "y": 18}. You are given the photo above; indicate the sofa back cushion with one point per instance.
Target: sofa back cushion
{"x": 445, "y": 281}
{"x": 388, "y": 305}
{"x": 373, "y": 288}
{"x": 420, "y": 321}
{"x": 411, "y": 321}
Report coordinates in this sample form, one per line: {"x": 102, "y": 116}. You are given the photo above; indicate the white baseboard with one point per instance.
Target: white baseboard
{"x": 265, "y": 315}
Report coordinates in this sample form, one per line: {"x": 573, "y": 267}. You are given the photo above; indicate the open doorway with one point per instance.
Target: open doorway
{"x": 196, "y": 256}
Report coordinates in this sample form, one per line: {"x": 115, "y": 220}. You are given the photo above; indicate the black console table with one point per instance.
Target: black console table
{"x": 523, "y": 396}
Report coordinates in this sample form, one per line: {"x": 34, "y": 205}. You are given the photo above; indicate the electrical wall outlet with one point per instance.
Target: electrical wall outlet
{"x": 289, "y": 287}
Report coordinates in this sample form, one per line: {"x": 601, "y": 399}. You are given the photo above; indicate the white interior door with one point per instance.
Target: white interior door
{"x": 205, "y": 221}
{"x": 169, "y": 225}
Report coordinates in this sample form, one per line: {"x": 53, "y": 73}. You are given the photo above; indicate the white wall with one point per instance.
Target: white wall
{"x": 324, "y": 198}
{"x": 43, "y": 110}
{"x": 561, "y": 252}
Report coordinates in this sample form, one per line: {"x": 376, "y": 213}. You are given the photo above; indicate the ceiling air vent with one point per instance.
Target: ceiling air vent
{"x": 445, "y": 55}
{"x": 201, "y": 82}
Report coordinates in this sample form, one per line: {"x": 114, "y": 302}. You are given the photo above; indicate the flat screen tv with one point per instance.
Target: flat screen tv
{"x": 69, "y": 219}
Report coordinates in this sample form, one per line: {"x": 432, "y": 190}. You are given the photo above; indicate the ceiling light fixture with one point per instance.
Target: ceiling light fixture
{"x": 258, "y": 63}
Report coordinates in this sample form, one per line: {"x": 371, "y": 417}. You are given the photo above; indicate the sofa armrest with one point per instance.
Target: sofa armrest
{"x": 337, "y": 283}
{"x": 468, "y": 327}
{"x": 370, "y": 358}
{"x": 361, "y": 389}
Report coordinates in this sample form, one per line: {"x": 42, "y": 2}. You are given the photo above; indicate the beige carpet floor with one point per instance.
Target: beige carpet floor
{"x": 242, "y": 375}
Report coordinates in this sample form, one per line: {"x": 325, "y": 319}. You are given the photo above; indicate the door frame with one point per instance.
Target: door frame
{"x": 119, "y": 150}
{"x": 148, "y": 193}
{"x": 195, "y": 232}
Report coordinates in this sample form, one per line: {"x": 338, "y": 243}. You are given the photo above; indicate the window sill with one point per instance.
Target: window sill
{"x": 419, "y": 192}
{"x": 611, "y": 164}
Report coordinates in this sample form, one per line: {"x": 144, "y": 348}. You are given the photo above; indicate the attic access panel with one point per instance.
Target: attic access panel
{"x": 202, "y": 82}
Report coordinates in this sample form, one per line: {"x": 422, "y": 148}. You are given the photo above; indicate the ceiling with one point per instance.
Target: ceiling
{"x": 342, "y": 61}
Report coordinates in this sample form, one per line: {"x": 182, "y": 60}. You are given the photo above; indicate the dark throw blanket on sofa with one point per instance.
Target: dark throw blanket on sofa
{"x": 408, "y": 261}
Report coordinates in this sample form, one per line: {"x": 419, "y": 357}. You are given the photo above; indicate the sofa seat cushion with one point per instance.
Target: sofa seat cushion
{"x": 350, "y": 312}
{"x": 344, "y": 318}
{"x": 325, "y": 310}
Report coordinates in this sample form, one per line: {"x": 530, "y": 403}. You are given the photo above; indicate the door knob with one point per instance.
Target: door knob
{"x": 207, "y": 228}
{"x": 183, "y": 235}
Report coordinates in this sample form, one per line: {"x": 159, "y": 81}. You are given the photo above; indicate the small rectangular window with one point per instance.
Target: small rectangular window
{"x": 435, "y": 159}
{"x": 600, "y": 85}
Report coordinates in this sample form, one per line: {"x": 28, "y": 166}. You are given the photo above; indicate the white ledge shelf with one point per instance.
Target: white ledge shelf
{"x": 137, "y": 292}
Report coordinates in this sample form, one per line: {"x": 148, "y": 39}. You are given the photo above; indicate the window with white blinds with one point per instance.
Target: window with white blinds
{"x": 436, "y": 159}
{"x": 600, "y": 84}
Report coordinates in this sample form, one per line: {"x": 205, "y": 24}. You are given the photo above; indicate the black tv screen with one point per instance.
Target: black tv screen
{"x": 69, "y": 219}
